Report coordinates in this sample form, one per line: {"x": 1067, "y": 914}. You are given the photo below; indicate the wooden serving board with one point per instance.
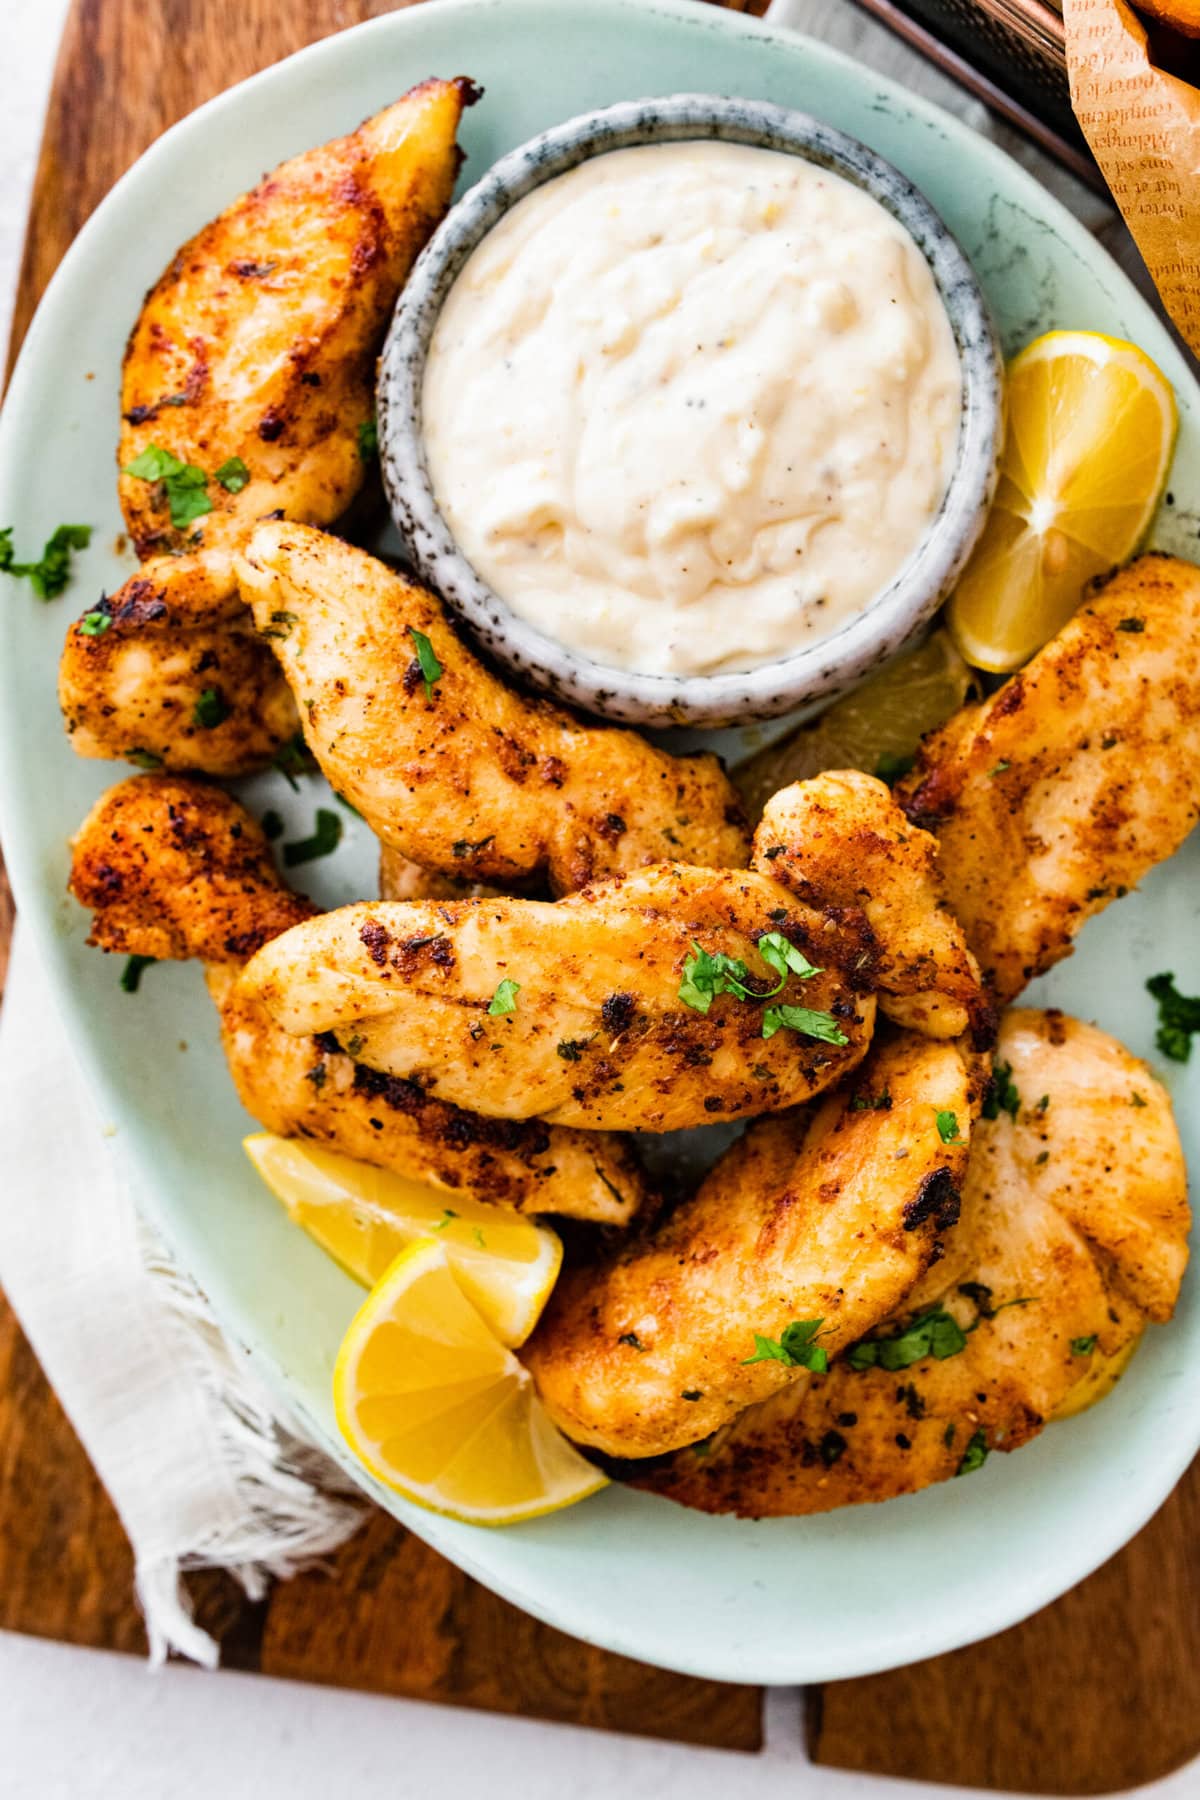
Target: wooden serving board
{"x": 1099, "y": 1692}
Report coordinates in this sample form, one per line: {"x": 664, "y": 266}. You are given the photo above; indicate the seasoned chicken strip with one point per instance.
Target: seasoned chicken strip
{"x": 178, "y": 676}
{"x": 828, "y": 1214}
{"x": 1073, "y": 1235}
{"x": 252, "y": 362}
{"x": 1061, "y": 791}
{"x": 572, "y": 1011}
{"x": 177, "y": 869}
{"x": 452, "y": 768}
{"x": 841, "y": 839}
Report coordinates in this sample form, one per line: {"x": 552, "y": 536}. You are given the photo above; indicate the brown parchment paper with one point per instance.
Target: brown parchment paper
{"x": 1143, "y": 125}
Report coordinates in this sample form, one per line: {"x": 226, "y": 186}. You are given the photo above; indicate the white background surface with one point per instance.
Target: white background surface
{"x": 93, "y": 1726}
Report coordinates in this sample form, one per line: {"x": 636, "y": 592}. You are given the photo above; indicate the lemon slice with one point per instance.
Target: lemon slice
{"x": 1091, "y": 429}
{"x": 876, "y": 728}
{"x": 362, "y": 1216}
{"x": 434, "y": 1405}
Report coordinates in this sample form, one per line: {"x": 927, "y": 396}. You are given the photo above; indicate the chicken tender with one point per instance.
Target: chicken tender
{"x": 572, "y": 1012}
{"x": 841, "y": 839}
{"x": 177, "y": 869}
{"x": 448, "y": 765}
{"x": 178, "y": 677}
{"x": 1073, "y": 1236}
{"x": 252, "y": 364}
{"x": 1058, "y": 794}
{"x": 827, "y": 1216}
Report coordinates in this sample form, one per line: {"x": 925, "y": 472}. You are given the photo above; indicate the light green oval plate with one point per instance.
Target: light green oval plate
{"x": 783, "y": 1601}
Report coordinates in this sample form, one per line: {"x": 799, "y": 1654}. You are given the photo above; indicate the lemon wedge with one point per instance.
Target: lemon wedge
{"x": 437, "y": 1408}
{"x": 1091, "y": 429}
{"x": 363, "y": 1216}
{"x": 877, "y": 727}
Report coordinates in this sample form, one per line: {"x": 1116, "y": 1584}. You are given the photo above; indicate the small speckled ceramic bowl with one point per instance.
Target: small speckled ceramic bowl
{"x": 818, "y": 670}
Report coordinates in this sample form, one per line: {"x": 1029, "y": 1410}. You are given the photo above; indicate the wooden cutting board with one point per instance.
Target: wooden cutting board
{"x": 1099, "y": 1692}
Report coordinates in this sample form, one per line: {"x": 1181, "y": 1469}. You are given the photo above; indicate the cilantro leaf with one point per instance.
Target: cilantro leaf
{"x": 211, "y": 709}
{"x": 185, "y": 487}
{"x": 504, "y": 1000}
{"x": 1001, "y": 1095}
{"x": 707, "y": 974}
{"x": 368, "y": 441}
{"x": 975, "y": 1454}
{"x": 51, "y": 573}
{"x": 131, "y": 974}
{"x": 233, "y": 475}
{"x": 94, "y": 624}
{"x": 324, "y": 840}
{"x": 1083, "y": 1346}
{"x": 932, "y": 1333}
{"x": 947, "y": 1124}
{"x": 292, "y": 759}
{"x": 795, "y": 1347}
{"x": 1178, "y": 1017}
{"x": 431, "y": 668}
{"x": 811, "y": 1024}
{"x": 783, "y": 957}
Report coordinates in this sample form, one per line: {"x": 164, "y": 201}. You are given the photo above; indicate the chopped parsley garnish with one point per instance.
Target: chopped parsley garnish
{"x": 144, "y": 759}
{"x": 184, "y": 486}
{"x": 368, "y": 441}
{"x": 51, "y": 573}
{"x": 292, "y": 759}
{"x": 281, "y": 625}
{"x": 211, "y": 709}
{"x": 631, "y": 1340}
{"x": 1132, "y": 625}
{"x": 324, "y": 840}
{"x": 891, "y": 767}
{"x": 131, "y": 974}
{"x": 1044, "y": 1103}
{"x": 504, "y": 1000}
{"x": 795, "y": 1347}
{"x": 233, "y": 475}
{"x": 447, "y": 1217}
{"x": 998, "y": 770}
{"x": 803, "y": 1019}
{"x": 947, "y": 1124}
{"x": 571, "y": 1049}
{"x": 881, "y": 1103}
{"x": 1178, "y": 1017}
{"x": 431, "y": 668}
{"x": 1083, "y": 1346}
{"x": 1001, "y": 1095}
{"x": 272, "y": 825}
{"x": 706, "y": 975}
{"x": 933, "y": 1333}
{"x": 1135, "y": 1099}
{"x": 94, "y": 624}
{"x": 975, "y": 1454}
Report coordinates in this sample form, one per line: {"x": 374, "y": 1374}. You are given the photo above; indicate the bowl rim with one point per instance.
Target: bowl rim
{"x": 816, "y": 671}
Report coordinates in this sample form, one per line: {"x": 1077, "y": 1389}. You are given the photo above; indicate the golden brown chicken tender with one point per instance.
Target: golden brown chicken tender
{"x": 250, "y": 369}
{"x": 573, "y": 1012}
{"x": 1073, "y": 1235}
{"x": 840, "y": 839}
{"x": 827, "y": 1215}
{"x": 1057, "y": 795}
{"x": 177, "y": 869}
{"x": 451, "y": 767}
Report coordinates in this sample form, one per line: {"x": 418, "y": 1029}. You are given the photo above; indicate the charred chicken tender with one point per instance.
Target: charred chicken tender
{"x": 1058, "y": 794}
{"x": 841, "y": 839}
{"x": 447, "y": 764}
{"x": 248, "y": 390}
{"x": 810, "y": 1230}
{"x": 178, "y": 676}
{"x": 178, "y": 869}
{"x": 615, "y": 1008}
{"x": 1073, "y": 1237}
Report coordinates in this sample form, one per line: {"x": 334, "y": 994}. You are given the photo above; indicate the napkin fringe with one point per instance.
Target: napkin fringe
{"x": 293, "y": 1506}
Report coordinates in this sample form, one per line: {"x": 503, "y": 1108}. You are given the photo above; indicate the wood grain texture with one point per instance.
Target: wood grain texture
{"x": 1098, "y": 1692}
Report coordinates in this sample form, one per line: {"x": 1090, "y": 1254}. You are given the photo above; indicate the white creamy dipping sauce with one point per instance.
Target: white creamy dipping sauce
{"x": 691, "y": 406}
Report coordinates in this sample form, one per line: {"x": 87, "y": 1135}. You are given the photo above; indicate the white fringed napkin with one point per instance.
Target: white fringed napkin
{"x": 202, "y": 1470}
